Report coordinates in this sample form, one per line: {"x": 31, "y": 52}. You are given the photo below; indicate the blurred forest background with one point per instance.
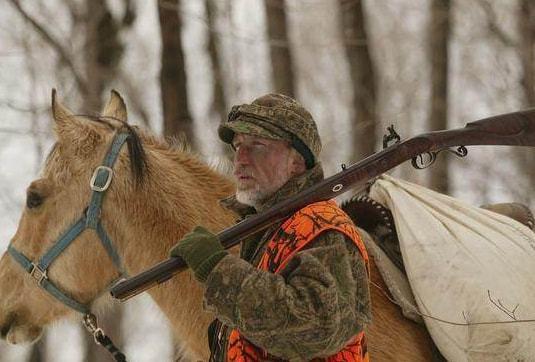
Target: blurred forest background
{"x": 357, "y": 65}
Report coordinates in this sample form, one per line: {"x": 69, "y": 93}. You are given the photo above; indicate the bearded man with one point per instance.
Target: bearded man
{"x": 299, "y": 290}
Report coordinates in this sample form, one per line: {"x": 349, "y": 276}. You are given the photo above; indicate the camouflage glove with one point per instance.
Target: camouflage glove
{"x": 201, "y": 250}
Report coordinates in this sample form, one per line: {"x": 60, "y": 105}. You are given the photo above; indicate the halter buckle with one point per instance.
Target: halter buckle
{"x": 37, "y": 274}
{"x": 109, "y": 176}
{"x": 91, "y": 324}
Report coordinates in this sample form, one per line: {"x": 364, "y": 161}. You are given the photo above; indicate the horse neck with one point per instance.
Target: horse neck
{"x": 180, "y": 192}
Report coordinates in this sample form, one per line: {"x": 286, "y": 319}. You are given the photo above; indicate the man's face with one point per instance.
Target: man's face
{"x": 261, "y": 167}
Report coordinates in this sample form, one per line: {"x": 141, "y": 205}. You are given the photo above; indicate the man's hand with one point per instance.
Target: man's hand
{"x": 201, "y": 250}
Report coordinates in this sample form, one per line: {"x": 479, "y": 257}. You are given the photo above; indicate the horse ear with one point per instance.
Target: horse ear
{"x": 62, "y": 115}
{"x": 116, "y": 108}
{"x": 71, "y": 129}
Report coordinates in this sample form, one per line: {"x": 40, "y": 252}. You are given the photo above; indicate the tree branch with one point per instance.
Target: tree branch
{"x": 54, "y": 43}
{"x": 493, "y": 24}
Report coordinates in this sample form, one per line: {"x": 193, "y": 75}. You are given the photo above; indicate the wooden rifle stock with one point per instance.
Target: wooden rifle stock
{"x": 513, "y": 129}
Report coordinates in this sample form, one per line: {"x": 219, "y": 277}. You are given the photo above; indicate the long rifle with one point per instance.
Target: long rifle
{"x": 512, "y": 129}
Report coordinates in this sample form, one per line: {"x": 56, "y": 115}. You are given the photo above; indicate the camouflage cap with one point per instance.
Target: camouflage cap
{"x": 279, "y": 117}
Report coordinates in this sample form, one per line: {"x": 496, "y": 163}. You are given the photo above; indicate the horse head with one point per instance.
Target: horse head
{"x": 56, "y": 205}
{"x": 111, "y": 199}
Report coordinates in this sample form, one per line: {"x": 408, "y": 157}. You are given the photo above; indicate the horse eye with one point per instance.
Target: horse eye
{"x": 33, "y": 199}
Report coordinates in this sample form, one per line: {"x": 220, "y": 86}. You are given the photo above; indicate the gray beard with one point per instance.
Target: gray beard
{"x": 254, "y": 197}
{"x": 251, "y": 197}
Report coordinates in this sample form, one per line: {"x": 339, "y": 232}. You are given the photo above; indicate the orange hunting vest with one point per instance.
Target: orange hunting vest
{"x": 294, "y": 234}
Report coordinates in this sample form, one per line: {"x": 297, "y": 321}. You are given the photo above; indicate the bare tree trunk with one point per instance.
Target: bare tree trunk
{"x": 219, "y": 104}
{"x": 176, "y": 116}
{"x": 526, "y": 48}
{"x": 103, "y": 51}
{"x": 438, "y": 118}
{"x": 281, "y": 59}
{"x": 219, "y": 101}
{"x": 363, "y": 81}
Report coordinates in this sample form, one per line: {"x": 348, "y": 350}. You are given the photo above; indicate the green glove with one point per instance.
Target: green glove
{"x": 201, "y": 250}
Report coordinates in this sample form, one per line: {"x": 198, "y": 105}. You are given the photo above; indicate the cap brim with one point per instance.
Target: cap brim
{"x": 227, "y": 131}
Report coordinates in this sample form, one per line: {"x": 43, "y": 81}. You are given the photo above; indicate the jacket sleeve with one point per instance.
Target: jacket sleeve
{"x": 311, "y": 309}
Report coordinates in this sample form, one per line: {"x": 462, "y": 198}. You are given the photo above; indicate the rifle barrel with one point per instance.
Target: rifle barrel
{"x": 513, "y": 129}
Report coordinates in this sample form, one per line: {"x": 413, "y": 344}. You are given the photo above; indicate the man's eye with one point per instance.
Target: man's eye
{"x": 33, "y": 200}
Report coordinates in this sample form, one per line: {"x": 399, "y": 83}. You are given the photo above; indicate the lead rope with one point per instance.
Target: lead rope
{"x": 90, "y": 323}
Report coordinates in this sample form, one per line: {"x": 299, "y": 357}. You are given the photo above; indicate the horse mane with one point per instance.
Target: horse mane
{"x": 138, "y": 157}
{"x": 136, "y": 151}
{"x": 175, "y": 148}
{"x": 214, "y": 174}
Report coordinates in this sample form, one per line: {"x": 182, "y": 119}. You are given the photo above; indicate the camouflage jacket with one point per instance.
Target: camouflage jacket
{"x": 287, "y": 314}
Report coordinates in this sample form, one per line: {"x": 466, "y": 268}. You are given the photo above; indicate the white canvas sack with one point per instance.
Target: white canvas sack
{"x": 465, "y": 265}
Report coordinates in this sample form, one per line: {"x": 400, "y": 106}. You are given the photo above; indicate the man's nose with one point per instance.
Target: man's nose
{"x": 242, "y": 156}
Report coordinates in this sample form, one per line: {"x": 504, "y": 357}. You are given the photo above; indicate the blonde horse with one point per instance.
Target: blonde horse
{"x": 158, "y": 193}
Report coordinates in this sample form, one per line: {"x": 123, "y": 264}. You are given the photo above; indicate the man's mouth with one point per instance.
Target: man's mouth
{"x": 243, "y": 176}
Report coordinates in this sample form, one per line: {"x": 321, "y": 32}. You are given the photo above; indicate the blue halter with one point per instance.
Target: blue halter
{"x": 100, "y": 182}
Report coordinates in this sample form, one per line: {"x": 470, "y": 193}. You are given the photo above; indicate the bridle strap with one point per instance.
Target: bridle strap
{"x": 110, "y": 249}
{"x": 42, "y": 280}
{"x": 63, "y": 242}
{"x": 99, "y": 183}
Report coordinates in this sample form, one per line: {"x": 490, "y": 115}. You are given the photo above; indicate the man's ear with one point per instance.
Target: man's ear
{"x": 297, "y": 163}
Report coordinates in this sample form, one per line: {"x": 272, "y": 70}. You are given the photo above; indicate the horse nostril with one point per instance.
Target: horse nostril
{"x": 5, "y": 329}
